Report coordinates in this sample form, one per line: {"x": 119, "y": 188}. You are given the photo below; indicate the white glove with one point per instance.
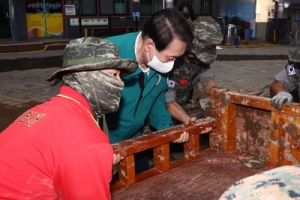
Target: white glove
{"x": 280, "y": 98}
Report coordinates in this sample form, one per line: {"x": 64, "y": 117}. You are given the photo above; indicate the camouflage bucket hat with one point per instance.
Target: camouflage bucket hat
{"x": 293, "y": 66}
{"x": 207, "y": 34}
{"x": 279, "y": 183}
{"x": 90, "y": 54}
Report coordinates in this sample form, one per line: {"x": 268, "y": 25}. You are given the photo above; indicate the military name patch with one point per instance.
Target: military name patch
{"x": 30, "y": 118}
{"x": 184, "y": 82}
{"x": 171, "y": 84}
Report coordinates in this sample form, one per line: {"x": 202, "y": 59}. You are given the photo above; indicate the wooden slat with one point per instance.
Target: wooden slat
{"x": 178, "y": 162}
{"x": 283, "y": 134}
{"x": 147, "y": 174}
{"x": 162, "y": 157}
{"x": 259, "y": 102}
{"x": 192, "y": 147}
{"x": 231, "y": 127}
{"x": 151, "y": 140}
{"x": 159, "y": 142}
{"x": 126, "y": 170}
{"x": 274, "y": 140}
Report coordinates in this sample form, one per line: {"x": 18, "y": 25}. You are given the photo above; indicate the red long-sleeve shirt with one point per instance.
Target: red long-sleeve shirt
{"x": 55, "y": 151}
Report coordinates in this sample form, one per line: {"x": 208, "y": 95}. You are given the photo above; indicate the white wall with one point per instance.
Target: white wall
{"x": 264, "y": 10}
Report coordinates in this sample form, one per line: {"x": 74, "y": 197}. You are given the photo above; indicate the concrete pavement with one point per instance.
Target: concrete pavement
{"x": 19, "y": 87}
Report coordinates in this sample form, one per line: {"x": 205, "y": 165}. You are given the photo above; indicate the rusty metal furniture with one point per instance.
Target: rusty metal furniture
{"x": 242, "y": 124}
{"x": 251, "y": 125}
{"x": 159, "y": 141}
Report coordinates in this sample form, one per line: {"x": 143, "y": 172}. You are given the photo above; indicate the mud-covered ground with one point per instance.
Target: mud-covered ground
{"x": 9, "y": 113}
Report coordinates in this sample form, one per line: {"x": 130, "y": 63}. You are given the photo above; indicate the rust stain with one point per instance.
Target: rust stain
{"x": 217, "y": 95}
{"x": 221, "y": 149}
{"x": 252, "y": 131}
{"x": 281, "y": 143}
{"x": 292, "y": 130}
{"x": 225, "y": 99}
{"x": 272, "y": 135}
{"x": 275, "y": 125}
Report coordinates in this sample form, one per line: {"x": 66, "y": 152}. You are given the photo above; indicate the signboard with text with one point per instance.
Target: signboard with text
{"x": 89, "y": 22}
{"x": 70, "y": 10}
{"x": 51, "y": 6}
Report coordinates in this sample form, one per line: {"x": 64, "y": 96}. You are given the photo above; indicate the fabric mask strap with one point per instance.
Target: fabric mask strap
{"x": 105, "y": 127}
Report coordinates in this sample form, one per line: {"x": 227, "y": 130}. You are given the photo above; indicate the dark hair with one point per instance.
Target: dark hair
{"x": 190, "y": 9}
{"x": 164, "y": 26}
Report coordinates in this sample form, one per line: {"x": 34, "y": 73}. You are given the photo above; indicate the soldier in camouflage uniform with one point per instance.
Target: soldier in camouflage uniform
{"x": 279, "y": 183}
{"x": 56, "y": 149}
{"x": 193, "y": 68}
{"x": 286, "y": 81}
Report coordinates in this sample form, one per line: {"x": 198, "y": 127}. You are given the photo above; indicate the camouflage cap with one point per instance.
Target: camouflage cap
{"x": 207, "y": 34}
{"x": 90, "y": 54}
{"x": 294, "y": 55}
{"x": 279, "y": 183}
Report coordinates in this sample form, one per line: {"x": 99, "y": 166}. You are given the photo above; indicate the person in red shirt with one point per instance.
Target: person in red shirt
{"x": 56, "y": 150}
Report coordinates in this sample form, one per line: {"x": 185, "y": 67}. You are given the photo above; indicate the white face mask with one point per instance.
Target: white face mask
{"x": 159, "y": 66}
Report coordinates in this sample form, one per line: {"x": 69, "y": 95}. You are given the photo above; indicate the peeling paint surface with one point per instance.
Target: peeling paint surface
{"x": 259, "y": 129}
{"x": 252, "y": 132}
{"x": 245, "y": 102}
{"x": 205, "y": 178}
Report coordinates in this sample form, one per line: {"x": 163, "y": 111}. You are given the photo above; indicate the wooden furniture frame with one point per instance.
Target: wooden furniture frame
{"x": 242, "y": 125}
{"x": 272, "y": 134}
{"x": 160, "y": 142}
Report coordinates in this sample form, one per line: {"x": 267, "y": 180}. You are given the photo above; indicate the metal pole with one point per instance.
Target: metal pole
{"x": 136, "y": 23}
{"x": 228, "y": 9}
{"x": 109, "y": 25}
{"x": 152, "y": 5}
{"x": 45, "y": 17}
{"x": 80, "y": 12}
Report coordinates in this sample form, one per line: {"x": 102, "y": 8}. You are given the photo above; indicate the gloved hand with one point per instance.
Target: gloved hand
{"x": 280, "y": 98}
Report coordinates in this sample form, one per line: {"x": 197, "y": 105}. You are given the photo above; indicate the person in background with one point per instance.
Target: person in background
{"x": 286, "y": 81}
{"x": 188, "y": 12}
{"x": 193, "y": 69}
{"x": 165, "y": 36}
{"x": 56, "y": 150}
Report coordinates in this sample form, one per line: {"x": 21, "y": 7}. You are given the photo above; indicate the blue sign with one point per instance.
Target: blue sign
{"x": 135, "y": 14}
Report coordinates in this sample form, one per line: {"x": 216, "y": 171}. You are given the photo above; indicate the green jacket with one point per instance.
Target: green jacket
{"x": 134, "y": 106}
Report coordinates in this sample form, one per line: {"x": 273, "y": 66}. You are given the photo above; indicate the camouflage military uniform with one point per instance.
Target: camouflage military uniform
{"x": 186, "y": 76}
{"x": 193, "y": 67}
{"x": 290, "y": 76}
{"x": 279, "y": 183}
